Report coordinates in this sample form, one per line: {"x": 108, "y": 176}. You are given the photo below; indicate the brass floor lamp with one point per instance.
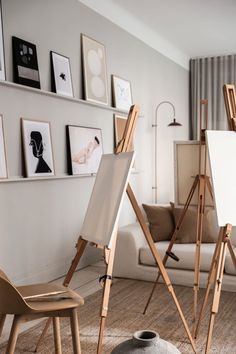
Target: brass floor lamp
{"x": 173, "y": 123}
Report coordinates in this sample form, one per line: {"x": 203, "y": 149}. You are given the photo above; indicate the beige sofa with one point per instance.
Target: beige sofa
{"x": 134, "y": 260}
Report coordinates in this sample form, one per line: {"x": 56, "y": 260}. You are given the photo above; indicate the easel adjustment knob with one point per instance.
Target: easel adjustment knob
{"x": 173, "y": 256}
{"x": 103, "y": 278}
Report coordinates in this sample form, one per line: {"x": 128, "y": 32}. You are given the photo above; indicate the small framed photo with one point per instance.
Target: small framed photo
{"x": 122, "y": 95}
{"x": 25, "y": 63}
{"x": 94, "y": 70}
{"x": 120, "y": 123}
{"x": 85, "y": 149}
{"x": 3, "y": 160}
{"x": 2, "y": 57}
{"x": 37, "y": 145}
{"x": 61, "y": 75}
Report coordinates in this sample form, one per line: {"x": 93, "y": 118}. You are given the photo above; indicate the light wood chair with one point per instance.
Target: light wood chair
{"x": 35, "y": 301}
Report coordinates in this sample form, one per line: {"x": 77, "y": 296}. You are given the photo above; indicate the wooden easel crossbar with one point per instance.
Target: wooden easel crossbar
{"x": 123, "y": 146}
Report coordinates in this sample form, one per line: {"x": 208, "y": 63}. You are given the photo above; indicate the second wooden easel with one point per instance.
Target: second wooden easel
{"x": 218, "y": 261}
{"x": 220, "y": 145}
{"x": 123, "y": 146}
{"x": 230, "y": 105}
{"x": 201, "y": 182}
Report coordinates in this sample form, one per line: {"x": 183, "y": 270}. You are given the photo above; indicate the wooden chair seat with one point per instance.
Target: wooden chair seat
{"x": 35, "y": 301}
{"x": 65, "y": 300}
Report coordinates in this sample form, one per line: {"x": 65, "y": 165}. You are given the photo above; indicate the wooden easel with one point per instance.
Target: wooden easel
{"x": 230, "y": 105}
{"x": 201, "y": 182}
{"x": 123, "y": 146}
{"x": 218, "y": 261}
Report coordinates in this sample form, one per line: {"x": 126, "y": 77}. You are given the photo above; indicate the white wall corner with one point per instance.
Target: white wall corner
{"x": 126, "y": 20}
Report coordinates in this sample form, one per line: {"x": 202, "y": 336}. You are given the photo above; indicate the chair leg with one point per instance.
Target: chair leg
{"x": 2, "y": 321}
{"x": 13, "y": 335}
{"x": 57, "y": 335}
{"x": 75, "y": 331}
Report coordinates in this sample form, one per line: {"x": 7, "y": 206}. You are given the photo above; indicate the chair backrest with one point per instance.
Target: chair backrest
{"x": 11, "y": 301}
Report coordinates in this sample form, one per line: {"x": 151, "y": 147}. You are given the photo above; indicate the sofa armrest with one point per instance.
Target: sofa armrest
{"x": 130, "y": 239}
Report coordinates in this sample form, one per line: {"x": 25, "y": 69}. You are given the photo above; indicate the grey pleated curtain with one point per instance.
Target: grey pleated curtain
{"x": 207, "y": 77}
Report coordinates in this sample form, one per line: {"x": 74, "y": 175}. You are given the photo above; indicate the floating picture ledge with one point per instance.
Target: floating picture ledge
{"x": 55, "y": 95}
{"x": 63, "y": 176}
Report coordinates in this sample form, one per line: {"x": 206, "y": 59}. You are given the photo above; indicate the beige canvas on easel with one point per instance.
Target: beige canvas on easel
{"x": 186, "y": 155}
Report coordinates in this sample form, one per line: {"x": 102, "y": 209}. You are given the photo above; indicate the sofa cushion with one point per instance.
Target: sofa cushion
{"x": 185, "y": 252}
{"x": 229, "y": 266}
{"x": 188, "y": 229}
{"x": 161, "y": 221}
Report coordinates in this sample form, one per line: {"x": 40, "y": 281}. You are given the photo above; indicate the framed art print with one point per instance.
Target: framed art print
{"x": 85, "y": 149}
{"x": 2, "y": 58}
{"x": 37, "y": 145}
{"x": 121, "y": 93}
{"x": 120, "y": 123}
{"x": 61, "y": 75}
{"x": 94, "y": 70}
{"x": 25, "y": 63}
{"x": 3, "y": 161}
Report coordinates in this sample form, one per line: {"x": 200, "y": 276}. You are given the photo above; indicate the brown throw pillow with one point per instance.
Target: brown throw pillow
{"x": 188, "y": 230}
{"x": 161, "y": 221}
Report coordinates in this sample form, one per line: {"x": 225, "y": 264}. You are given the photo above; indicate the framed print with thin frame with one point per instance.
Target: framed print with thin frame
{"x": 61, "y": 75}
{"x": 3, "y": 160}
{"x": 85, "y": 149}
{"x": 94, "y": 70}
{"x": 37, "y": 145}
{"x": 122, "y": 95}
{"x": 25, "y": 63}
{"x": 2, "y": 57}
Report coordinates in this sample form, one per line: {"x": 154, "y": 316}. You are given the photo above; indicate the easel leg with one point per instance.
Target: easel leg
{"x": 218, "y": 286}
{"x": 173, "y": 238}
{"x": 200, "y": 215}
{"x": 109, "y": 258}
{"x": 101, "y": 331}
{"x": 2, "y": 321}
{"x": 210, "y": 281}
{"x": 158, "y": 260}
{"x": 80, "y": 246}
{"x": 231, "y": 251}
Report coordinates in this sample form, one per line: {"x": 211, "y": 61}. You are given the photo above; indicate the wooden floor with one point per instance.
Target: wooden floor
{"x": 85, "y": 282}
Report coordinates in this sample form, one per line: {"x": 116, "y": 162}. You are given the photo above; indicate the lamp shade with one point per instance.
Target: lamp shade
{"x": 174, "y": 124}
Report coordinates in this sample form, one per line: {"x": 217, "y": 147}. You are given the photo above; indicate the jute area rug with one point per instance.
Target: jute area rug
{"x": 127, "y": 301}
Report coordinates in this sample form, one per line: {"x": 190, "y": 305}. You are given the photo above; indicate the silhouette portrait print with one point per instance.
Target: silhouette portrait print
{"x": 36, "y": 141}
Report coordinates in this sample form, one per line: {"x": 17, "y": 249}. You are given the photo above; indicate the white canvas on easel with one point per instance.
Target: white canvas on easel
{"x": 105, "y": 202}
{"x": 222, "y": 155}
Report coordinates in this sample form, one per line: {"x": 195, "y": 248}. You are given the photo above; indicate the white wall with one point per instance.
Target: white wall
{"x": 40, "y": 220}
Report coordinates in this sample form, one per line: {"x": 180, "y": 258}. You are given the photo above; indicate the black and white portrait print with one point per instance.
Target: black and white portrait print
{"x": 36, "y": 141}
{"x": 37, "y": 148}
